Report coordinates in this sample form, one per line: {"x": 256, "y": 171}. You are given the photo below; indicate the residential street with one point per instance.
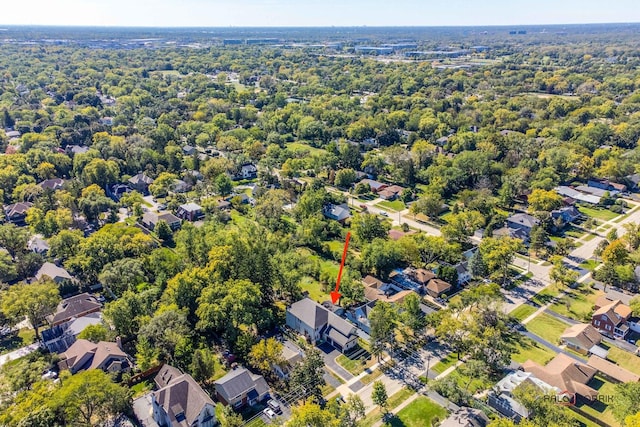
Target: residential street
{"x": 16, "y": 354}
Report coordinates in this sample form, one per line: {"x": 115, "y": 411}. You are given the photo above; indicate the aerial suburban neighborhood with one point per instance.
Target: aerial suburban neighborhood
{"x": 308, "y": 227}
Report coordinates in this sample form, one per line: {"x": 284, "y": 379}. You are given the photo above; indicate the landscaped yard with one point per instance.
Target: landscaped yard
{"x": 529, "y": 349}
{"x": 142, "y": 388}
{"x": 369, "y": 378}
{"x": 546, "y": 295}
{"x": 419, "y": 413}
{"x": 547, "y": 327}
{"x": 297, "y": 147}
{"x": 393, "y": 401}
{"x": 314, "y": 288}
{"x": 445, "y": 363}
{"x": 577, "y": 303}
{"x": 625, "y": 359}
{"x": 589, "y": 264}
{"x": 358, "y": 365}
{"x": 524, "y": 311}
{"x": 12, "y": 342}
{"x": 603, "y": 214}
{"x": 600, "y": 409}
{"x": 395, "y": 205}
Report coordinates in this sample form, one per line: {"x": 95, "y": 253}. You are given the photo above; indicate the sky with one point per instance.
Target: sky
{"x": 274, "y": 13}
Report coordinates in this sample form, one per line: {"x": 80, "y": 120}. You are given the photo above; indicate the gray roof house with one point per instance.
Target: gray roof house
{"x": 180, "y": 401}
{"x": 316, "y": 323}
{"x": 190, "y": 211}
{"x": 38, "y": 245}
{"x": 522, "y": 221}
{"x": 338, "y": 213}
{"x": 150, "y": 220}
{"x": 140, "y": 183}
{"x": 241, "y": 387}
{"x": 53, "y": 272}
{"x": 59, "y": 338}
{"x": 17, "y": 212}
{"x": 52, "y": 184}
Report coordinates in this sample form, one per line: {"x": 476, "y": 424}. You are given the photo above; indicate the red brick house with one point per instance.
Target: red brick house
{"x": 611, "y": 319}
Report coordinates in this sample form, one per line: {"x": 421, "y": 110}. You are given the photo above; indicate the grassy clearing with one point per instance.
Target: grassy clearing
{"x": 299, "y": 147}
{"x": 577, "y": 303}
{"x": 355, "y": 366}
{"x": 524, "y": 311}
{"x": 603, "y": 214}
{"x": 13, "y": 342}
{"x": 589, "y": 237}
{"x": 419, "y": 413}
{"x": 395, "y": 205}
{"x": 445, "y": 363}
{"x": 625, "y": 359}
{"x": 547, "y": 327}
{"x": 576, "y": 233}
{"x": 142, "y": 388}
{"x": 314, "y": 288}
{"x": 528, "y": 349}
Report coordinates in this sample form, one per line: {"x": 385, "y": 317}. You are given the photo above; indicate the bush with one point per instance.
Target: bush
{"x": 616, "y": 209}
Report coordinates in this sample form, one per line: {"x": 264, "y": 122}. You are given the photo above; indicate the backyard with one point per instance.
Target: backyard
{"x": 528, "y": 349}
{"x": 600, "y": 410}
{"x": 603, "y": 214}
{"x": 18, "y": 340}
{"x": 625, "y": 359}
{"x": 395, "y": 205}
{"x": 419, "y": 413}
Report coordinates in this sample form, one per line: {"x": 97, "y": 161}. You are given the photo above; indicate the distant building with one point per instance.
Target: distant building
{"x": 75, "y": 307}
{"x": 17, "y": 212}
{"x": 53, "y": 272}
{"x": 241, "y": 387}
{"x": 190, "y": 212}
{"x": 522, "y": 221}
{"x": 582, "y": 338}
{"x": 140, "y": 183}
{"x": 53, "y": 184}
{"x": 611, "y": 319}
{"x": 151, "y": 219}
{"x": 566, "y": 374}
{"x": 338, "y": 213}
{"x": 247, "y": 171}
{"x": 577, "y": 195}
{"x": 85, "y": 355}
{"x": 466, "y": 417}
{"x": 605, "y": 184}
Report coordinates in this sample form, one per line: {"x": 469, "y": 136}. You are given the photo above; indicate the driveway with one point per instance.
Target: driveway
{"x": 329, "y": 354}
{"x": 16, "y": 354}
{"x": 143, "y": 409}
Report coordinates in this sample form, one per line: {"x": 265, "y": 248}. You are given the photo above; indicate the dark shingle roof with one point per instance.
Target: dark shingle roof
{"x": 309, "y": 312}
{"x": 183, "y": 396}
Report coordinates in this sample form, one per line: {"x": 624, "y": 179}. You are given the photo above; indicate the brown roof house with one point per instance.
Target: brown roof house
{"x": 376, "y": 290}
{"x": 241, "y": 387}
{"x": 567, "y": 374}
{"x": 582, "y": 338}
{"x": 74, "y": 307}
{"x": 180, "y": 401}
{"x": 612, "y": 371}
{"x": 437, "y": 287}
{"x": 611, "y": 319}
{"x": 85, "y": 355}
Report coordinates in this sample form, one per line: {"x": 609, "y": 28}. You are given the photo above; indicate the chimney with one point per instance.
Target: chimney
{"x": 119, "y": 342}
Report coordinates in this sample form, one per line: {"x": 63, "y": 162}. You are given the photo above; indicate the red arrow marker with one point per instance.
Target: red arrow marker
{"x": 335, "y": 295}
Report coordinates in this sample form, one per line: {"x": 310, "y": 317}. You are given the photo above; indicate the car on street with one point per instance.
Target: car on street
{"x": 269, "y": 413}
{"x": 383, "y": 213}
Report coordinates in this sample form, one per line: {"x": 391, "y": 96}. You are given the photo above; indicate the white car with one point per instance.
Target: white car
{"x": 383, "y": 213}
{"x": 269, "y": 413}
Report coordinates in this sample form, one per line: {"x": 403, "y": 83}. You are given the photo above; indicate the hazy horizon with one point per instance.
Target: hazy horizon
{"x": 328, "y": 13}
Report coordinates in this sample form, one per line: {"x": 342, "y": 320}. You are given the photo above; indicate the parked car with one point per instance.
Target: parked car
{"x": 383, "y": 213}
{"x": 269, "y": 413}
{"x": 275, "y": 405}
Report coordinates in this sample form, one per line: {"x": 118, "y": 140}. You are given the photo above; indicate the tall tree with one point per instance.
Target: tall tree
{"x": 35, "y": 301}
{"x": 379, "y": 395}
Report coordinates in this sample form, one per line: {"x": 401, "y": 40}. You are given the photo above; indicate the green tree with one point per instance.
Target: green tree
{"x": 310, "y": 414}
{"x": 498, "y": 254}
{"x": 35, "y": 301}
{"x": 90, "y": 396}
{"x": 543, "y": 200}
{"x": 202, "y": 365}
{"x": 627, "y": 400}
{"x": 367, "y": 227}
{"x": 379, "y": 395}
{"x": 163, "y": 231}
{"x": 223, "y": 185}
{"x": 430, "y": 205}
{"x": 308, "y": 375}
{"x": 382, "y": 324}
{"x": 227, "y": 417}
{"x": 96, "y": 333}
{"x": 265, "y": 354}
{"x": 561, "y": 274}
{"x": 344, "y": 178}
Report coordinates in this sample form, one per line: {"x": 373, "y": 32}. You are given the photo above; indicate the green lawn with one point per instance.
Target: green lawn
{"x": 393, "y": 401}
{"x": 369, "y": 378}
{"x": 531, "y": 350}
{"x": 600, "y": 410}
{"x": 574, "y": 232}
{"x": 297, "y": 147}
{"x": 625, "y": 359}
{"x": 142, "y": 388}
{"x": 577, "y": 303}
{"x": 356, "y": 366}
{"x": 314, "y": 288}
{"x": 589, "y": 264}
{"x": 419, "y": 413}
{"x": 589, "y": 237}
{"x": 524, "y": 311}
{"x": 603, "y": 214}
{"x": 547, "y": 327}
{"x": 12, "y": 342}
{"x": 445, "y": 363}
{"x": 395, "y": 205}
{"x": 546, "y": 295}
